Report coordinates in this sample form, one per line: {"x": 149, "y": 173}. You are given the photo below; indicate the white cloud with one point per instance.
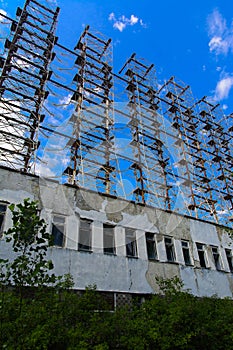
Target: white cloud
{"x": 21, "y": 63}
{"x": 219, "y": 45}
{"x": 119, "y": 25}
{"x": 223, "y": 88}
{"x": 4, "y": 13}
{"x": 87, "y": 94}
{"x": 133, "y": 20}
{"x": 65, "y": 100}
{"x": 144, "y": 25}
{"x": 116, "y": 42}
{"x": 53, "y": 2}
{"x": 217, "y": 24}
{"x": 122, "y": 22}
{"x": 44, "y": 170}
{"x": 221, "y": 36}
{"x": 111, "y": 17}
{"x": 222, "y": 212}
{"x": 224, "y": 107}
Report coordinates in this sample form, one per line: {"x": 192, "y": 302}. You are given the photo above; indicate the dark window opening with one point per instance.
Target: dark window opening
{"x": 216, "y": 258}
{"x": 131, "y": 243}
{"x": 84, "y": 240}
{"x": 151, "y": 246}
{"x": 169, "y": 246}
{"x": 201, "y": 254}
{"x": 109, "y": 239}
{"x": 229, "y": 259}
{"x": 3, "y": 208}
{"x": 186, "y": 253}
{"x": 58, "y": 230}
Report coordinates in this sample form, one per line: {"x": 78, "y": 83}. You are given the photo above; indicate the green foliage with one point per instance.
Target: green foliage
{"x": 169, "y": 285}
{"x": 29, "y": 241}
{"x": 63, "y": 319}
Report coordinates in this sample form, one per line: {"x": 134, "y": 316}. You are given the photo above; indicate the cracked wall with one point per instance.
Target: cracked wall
{"x": 118, "y": 272}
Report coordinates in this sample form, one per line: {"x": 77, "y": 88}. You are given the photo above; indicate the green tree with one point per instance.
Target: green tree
{"x": 26, "y": 279}
{"x": 29, "y": 239}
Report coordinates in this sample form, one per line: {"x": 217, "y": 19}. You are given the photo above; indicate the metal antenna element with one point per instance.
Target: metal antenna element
{"x": 121, "y": 134}
{"x": 23, "y": 83}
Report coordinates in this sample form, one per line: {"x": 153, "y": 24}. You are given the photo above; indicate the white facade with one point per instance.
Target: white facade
{"x": 88, "y": 222}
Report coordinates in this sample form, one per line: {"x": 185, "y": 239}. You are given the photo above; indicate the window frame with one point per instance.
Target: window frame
{"x": 131, "y": 244}
{"x": 170, "y": 248}
{"x": 109, "y": 236}
{"x": 202, "y": 255}
{"x": 2, "y": 217}
{"x": 151, "y": 246}
{"x": 83, "y": 247}
{"x": 228, "y": 253}
{"x": 62, "y": 234}
{"x": 186, "y": 248}
{"x": 216, "y": 258}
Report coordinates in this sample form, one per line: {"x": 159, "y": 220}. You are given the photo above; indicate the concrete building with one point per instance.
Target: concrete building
{"x": 119, "y": 245}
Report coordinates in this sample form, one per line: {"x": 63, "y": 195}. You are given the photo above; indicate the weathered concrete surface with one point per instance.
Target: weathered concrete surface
{"x": 118, "y": 272}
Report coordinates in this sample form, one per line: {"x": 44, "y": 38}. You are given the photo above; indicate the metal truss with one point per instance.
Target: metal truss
{"x": 120, "y": 134}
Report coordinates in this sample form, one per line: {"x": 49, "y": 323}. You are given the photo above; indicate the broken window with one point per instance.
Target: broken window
{"x": 58, "y": 230}
{"x": 131, "y": 243}
{"x": 85, "y": 235}
{"x": 229, "y": 259}
{"x": 201, "y": 254}
{"x": 109, "y": 239}
{"x": 3, "y": 208}
{"x": 216, "y": 257}
{"x": 186, "y": 252}
{"x": 170, "y": 251}
{"x": 151, "y": 246}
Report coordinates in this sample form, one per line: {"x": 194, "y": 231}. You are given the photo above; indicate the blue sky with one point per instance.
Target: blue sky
{"x": 192, "y": 41}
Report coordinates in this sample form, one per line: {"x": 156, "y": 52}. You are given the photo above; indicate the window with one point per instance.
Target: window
{"x": 151, "y": 246}
{"x": 131, "y": 243}
{"x": 229, "y": 259}
{"x": 186, "y": 253}
{"x": 85, "y": 235}
{"x": 169, "y": 246}
{"x": 3, "y": 208}
{"x": 58, "y": 230}
{"x": 201, "y": 254}
{"x": 216, "y": 258}
{"x": 109, "y": 239}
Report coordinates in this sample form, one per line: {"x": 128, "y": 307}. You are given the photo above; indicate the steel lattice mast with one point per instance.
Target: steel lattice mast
{"x": 25, "y": 71}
